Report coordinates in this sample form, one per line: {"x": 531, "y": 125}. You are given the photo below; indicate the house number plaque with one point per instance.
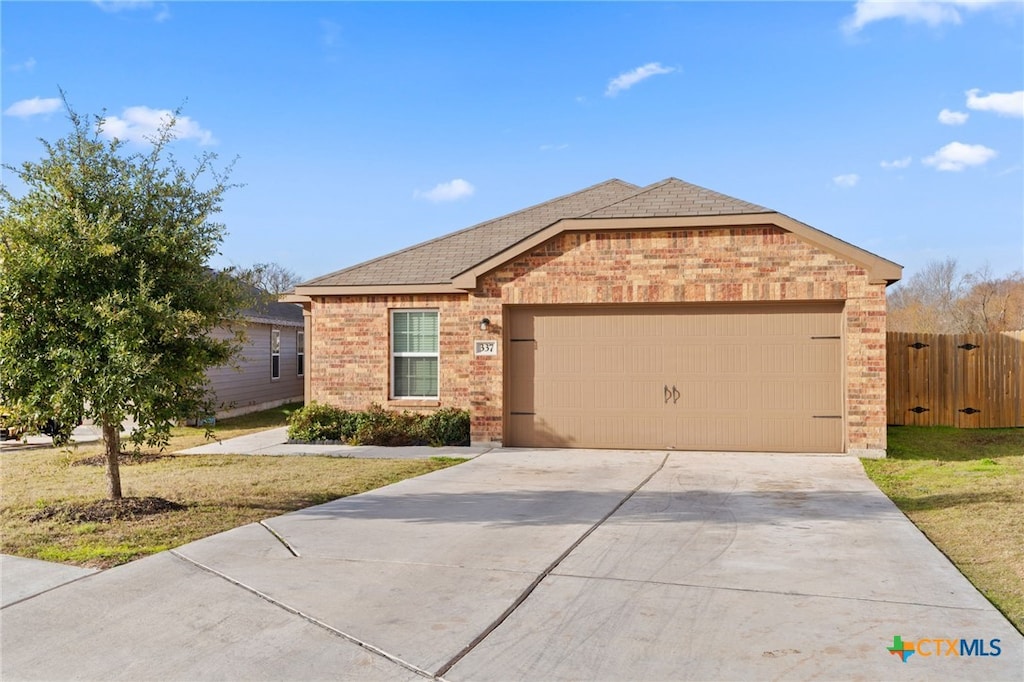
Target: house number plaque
{"x": 485, "y": 347}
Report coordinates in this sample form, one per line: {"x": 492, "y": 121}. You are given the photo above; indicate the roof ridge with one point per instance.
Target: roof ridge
{"x": 674, "y": 180}
{"x": 477, "y": 226}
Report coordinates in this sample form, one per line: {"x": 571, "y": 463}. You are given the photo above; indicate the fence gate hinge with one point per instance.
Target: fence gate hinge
{"x": 969, "y": 410}
{"x": 918, "y": 409}
{"x": 968, "y": 346}
{"x": 918, "y": 345}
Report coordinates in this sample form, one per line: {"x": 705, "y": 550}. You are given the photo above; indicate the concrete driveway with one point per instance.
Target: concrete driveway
{"x": 530, "y": 565}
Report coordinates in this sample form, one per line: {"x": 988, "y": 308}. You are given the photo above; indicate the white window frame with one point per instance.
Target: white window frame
{"x": 300, "y": 352}
{"x": 393, "y": 395}
{"x": 275, "y": 353}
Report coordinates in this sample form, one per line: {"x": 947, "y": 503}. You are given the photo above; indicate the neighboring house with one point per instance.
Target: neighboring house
{"x": 664, "y": 317}
{"x": 269, "y": 369}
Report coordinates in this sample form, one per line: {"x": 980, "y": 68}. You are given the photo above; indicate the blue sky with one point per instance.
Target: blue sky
{"x": 361, "y": 128}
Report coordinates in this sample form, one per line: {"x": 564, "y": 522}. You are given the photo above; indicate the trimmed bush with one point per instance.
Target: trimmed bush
{"x": 447, "y": 426}
{"x": 378, "y": 426}
{"x": 316, "y": 422}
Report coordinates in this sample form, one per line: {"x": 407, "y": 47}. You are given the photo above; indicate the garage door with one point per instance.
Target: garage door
{"x": 746, "y": 377}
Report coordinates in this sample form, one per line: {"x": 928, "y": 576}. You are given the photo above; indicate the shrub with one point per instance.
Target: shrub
{"x": 320, "y": 422}
{"x": 378, "y": 426}
{"x": 447, "y": 426}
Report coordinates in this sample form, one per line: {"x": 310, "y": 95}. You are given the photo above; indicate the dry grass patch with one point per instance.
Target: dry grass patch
{"x": 964, "y": 488}
{"x": 52, "y": 504}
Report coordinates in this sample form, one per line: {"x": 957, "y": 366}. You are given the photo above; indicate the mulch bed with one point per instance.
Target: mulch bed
{"x": 124, "y": 509}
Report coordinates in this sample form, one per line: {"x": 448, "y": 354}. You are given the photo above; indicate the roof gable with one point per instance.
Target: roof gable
{"x": 455, "y": 261}
{"x": 437, "y": 261}
{"x": 674, "y": 198}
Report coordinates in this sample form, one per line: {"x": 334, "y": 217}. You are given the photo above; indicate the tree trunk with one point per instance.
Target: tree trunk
{"x": 112, "y": 441}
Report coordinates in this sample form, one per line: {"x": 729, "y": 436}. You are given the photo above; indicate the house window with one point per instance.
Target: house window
{"x": 275, "y": 353}
{"x": 414, "y": 355}
{"x": 300, "y": 353}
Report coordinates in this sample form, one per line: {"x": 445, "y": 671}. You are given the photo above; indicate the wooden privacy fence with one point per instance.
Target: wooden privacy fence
{"x": 964, "y": 380}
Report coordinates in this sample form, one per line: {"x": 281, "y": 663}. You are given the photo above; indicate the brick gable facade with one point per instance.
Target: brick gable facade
{"x": 349, "y": 335}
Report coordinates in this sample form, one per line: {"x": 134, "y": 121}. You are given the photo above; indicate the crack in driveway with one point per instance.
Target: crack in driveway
{"x": 305, "y": 616}
{"x": 545, "y": 573}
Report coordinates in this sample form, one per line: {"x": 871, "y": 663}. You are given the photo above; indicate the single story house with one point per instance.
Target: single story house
{"x": 663, "y": 317}
{"x": 270, "y": 368}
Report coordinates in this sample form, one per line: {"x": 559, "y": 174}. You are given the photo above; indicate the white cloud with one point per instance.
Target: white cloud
{"x": 33, "y": 107}
{"x": 1002, "y": 103}
{"x": 930, "y": 12}
{"x": 897, "y": 163}
{"x": 447, "y": 191}
{"x": 553, "y": 147}
{"x": 957, "y": 156}
{"x": 141, "y": 124}
{"x": 953, "y": 118}
{"x": 630, "y": 78}
{"x": 163, "y": 12}
{"x": 847, "y": 180}
{"x": 27, "y": 65}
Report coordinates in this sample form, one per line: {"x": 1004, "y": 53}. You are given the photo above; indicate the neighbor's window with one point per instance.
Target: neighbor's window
{"x": 275, "y": 353}
{"x": 414, "y": 357}
{"x": 300, "y": 353}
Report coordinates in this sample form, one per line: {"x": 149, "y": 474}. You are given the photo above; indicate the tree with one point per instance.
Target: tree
{"x": 994, "y": 303}
{"x": 941, "y": 300}
{"x": 106, "y": 302}
{"x": 272, "y": 278}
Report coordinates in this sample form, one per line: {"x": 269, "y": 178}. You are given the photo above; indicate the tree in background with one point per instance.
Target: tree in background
{"x": 940, "y": 299}
{"x": 106, "y": 301}
{"x": 272, "y": 278}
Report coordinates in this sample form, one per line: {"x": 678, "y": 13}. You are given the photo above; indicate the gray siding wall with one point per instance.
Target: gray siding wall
{"x": 246, "y": 385}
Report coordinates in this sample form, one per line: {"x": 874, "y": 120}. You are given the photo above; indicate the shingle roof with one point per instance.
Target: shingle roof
{"x": 673, "y": 198}
{"x": 273, "y": 311}
{"x": 439, "y": 260}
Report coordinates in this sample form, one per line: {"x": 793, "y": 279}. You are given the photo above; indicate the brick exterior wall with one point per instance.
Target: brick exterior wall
{"x": 350, "y": 335}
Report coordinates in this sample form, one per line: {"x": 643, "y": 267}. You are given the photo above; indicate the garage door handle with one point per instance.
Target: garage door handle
{"x": 668, "y": 394}
{"x": 675, "y": 395}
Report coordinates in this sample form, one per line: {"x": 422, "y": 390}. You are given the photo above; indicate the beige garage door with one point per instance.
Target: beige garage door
{"x": 746, "y": 377}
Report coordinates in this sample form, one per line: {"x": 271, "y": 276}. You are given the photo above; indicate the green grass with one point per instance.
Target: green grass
{"x": 964, "y": 488}
{"x": 218, "y": 493}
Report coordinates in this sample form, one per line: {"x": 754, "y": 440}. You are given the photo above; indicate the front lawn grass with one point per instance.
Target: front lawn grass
{"x": 964, "y": 488}
{"x": 218, "y": 493}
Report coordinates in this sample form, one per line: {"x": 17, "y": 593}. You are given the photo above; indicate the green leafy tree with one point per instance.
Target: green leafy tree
{"x": 106, "y": 300}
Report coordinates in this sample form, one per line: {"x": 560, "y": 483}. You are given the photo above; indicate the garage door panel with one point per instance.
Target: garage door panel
{"x": 820, "y": 399}
{"x": 778, "y": 432}
{"x": 776, "y": 325}
{"x": 728, "y": 396}
{"x": 820, "y": 358}
{"x": 693, "y": 395}
{"x": 692, "y": 433}
{"x": 728, "y": 432}
{"x": 778, "y": 359}
{"x": 728, "y": 325}
{"x": 743, "y": 377}
{"x": 781, "y": 396}
{"x": 560, "y": 359}
{"x": 726, "y": 358}
{"x": 687, "y": 360}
